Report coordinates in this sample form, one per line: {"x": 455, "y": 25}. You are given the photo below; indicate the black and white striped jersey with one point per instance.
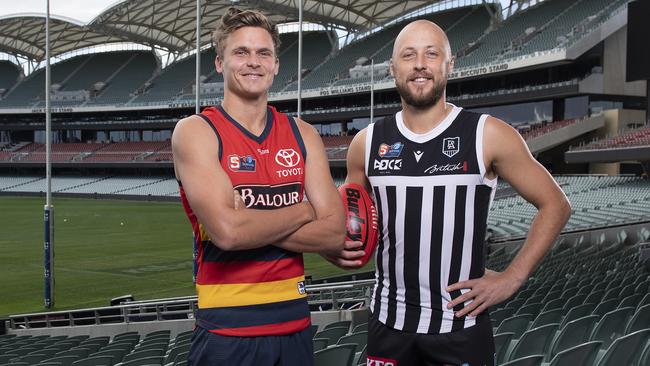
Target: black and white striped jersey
{"x": 433, "y": 198}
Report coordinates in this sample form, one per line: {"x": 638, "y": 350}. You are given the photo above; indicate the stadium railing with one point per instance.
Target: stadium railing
{"x": 333, "y": 296}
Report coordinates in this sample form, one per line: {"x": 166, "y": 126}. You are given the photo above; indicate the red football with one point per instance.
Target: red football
{"x": 361, "y": 220}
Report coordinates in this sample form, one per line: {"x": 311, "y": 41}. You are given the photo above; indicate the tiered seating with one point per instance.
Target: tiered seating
{"x": 9, "y": 74}
{"x": 544, "y": 128}
{"x": 98, "y": 68}
{"x": 340, "y": 343}
{"x": 163, "y": 154}
{"x": 126, "y": 151}
{"x": 62, "y": 152}
{"x": 316, "y": 47}
{"x": 337, "y": 66}
{"x": 155, "y": 348}
{"x": 597, "y": 202}
{"x": 562, "y": 28}
{"x": 586, "y": 302}
{"x": 31, "y": 91}
{"x": 636, "y": 137}
{"x": 140, "y": 68}
{"x": 171, "y": 81}
{"x": 496, "y": 42}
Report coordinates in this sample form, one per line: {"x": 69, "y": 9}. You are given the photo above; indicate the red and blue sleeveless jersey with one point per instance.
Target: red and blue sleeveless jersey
{"x": 256, "y": 292}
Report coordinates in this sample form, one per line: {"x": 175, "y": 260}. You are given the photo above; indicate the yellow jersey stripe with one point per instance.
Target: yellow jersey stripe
{"x": 242, "y": 294}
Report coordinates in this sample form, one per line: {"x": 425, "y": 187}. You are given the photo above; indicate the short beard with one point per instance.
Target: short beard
{"x": 421, "y": 101}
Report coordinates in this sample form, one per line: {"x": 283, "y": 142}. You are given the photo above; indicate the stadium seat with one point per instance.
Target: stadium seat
{"x": 499, "y": 315}
{"x": 547, "y": 317}
{"x": 501, "y": 345}
{"x": 516, "y": 324}
{"x": 77, "y": 352}
{"x": 532, "y": 309}
{"x": 574, "y": 333}
{"x": 535, "y": 360}
{"x": 96, "y": 361}
{"x": 644, "y": 359}
{"x": 142, "y": 354}
{"x": 116, "y": 353}
{"x": 144, "y": 361}
{"x": 583, "y": 354}
{"x": 126, "y": 335}
{"x": 640, "y": 320}
{"x": 360, "y": 339}
{"x": 554, "y": 304}
{"x": 626, "y": 350}
{"x": 175, "y": 351}
{"x": 577, "y": 312}
{"x": 64, "y": 360}
{"x": 342, "y": 323}
{"x": 181, "y": 357}
{"x": 363, "y": 357}
{"x": 320, "y": 343}
{"x": 332, "y": 334}
{"x": 605, "y": 307}
{"x": 360, "y": 328}
{"x": 534, "y": 342}
{"x": 612, "y": 326}
{"x": 339, "y": 355}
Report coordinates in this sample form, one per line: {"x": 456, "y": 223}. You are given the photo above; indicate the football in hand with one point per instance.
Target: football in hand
{"x": 361, "y": 218}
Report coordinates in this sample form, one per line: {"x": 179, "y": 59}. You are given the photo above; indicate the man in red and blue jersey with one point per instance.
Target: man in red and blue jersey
{"x": 243, "y": 169}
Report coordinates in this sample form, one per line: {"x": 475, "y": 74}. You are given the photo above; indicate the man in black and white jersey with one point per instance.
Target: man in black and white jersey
{"x": 433, "y": 168}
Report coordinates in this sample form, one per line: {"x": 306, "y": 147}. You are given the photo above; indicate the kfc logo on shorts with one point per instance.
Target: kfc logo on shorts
{"x": 378, "y": 361}
{"x": 287, "y": 158}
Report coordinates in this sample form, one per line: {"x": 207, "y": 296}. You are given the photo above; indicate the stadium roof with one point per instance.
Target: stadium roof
{"x": 169, "y": 24}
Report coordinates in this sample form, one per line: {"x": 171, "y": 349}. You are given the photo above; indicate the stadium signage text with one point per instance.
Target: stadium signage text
{"x": 53, "y": 110}
{"x": 478, "y": 71}
{"x": 344, "y": 90}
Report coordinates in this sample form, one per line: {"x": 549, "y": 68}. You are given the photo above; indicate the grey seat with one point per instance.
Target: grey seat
{"x": 339, "y": 355}
{"x": 547, "y": 317}
{"x": 516, "y": 324}
{"x": 534, "y": 342}
{"x": 626, "y": 350}
{"x": 501, "y": 345}
{"x": 612, "y": 326}
{"x": 582, "y": 354}
{"x": 360, "y": 339}
{"x": 574, "y": 333}
{"x": 535, "y": 360}
{"x": 640, "y": 320}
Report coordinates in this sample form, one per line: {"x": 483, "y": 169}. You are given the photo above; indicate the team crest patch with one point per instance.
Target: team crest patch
{"x": 390, "y": 151}
{"x": 301, "y": 288}
{"x": 450, "y": 146}
{"x": 244, "y": 163}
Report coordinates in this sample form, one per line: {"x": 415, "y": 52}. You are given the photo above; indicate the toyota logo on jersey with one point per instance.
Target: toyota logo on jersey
{"x": 287, "y": 158}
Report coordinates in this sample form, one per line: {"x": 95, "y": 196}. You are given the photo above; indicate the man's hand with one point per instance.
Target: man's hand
{"x": 347, "y": 258}
{"x": 493, "y": 288}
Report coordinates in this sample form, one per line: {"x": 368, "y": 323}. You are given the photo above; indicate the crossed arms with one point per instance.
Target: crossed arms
{"x": 314, "y": 226}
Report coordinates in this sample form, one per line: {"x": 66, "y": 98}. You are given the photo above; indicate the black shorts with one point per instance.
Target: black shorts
{"x": 473, "y": 346}
{"x": 209, "y": 349}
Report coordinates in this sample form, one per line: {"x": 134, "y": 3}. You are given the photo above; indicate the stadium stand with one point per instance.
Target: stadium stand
{"x": 315, "y": 49}
{"x": 636, "y": 137}
{"x": 376, "y": 46}
{"x": 595, "y": 200}
{"x": 127, "y": 79}
{"x": 176, "y": 79}
{"x": 9, "y": 74}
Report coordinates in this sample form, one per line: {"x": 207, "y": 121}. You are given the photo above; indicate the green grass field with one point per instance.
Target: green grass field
{"x": 96, "y": 256}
